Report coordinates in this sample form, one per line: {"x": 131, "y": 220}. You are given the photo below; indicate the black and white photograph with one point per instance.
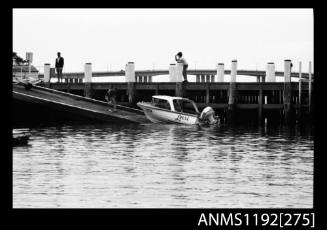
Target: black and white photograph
{"x": 162, "y": 108}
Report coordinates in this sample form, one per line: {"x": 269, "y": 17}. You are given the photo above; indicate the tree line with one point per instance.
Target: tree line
{"x": 19, "y": 60}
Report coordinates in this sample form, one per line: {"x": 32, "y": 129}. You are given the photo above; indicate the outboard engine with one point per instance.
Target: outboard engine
{"x": 208, "y": 116}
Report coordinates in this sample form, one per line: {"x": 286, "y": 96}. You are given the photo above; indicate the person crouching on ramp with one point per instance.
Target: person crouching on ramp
{"x": 111, "y": 98}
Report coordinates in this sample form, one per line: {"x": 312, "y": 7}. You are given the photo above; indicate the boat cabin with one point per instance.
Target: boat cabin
{"x": 176, "y": 104}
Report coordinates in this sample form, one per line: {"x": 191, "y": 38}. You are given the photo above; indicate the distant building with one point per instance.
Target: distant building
{"x": 22, "y": 71}
{"x": 20, "y": 67}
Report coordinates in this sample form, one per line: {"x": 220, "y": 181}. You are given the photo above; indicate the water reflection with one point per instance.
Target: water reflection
{"x": 164, "y": 166}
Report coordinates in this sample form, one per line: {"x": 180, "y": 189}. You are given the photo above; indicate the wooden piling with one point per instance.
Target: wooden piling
{"x": 130, "y": 79}
{"x": 220, "y": 72}
{"x": 260, "y": 97}
{"x": 287, "y": 91}
{"x": 52, "y": 73}
{"x": 197, "y": 78}
{"x": 202, "y": 78}
{"x": 68, "y": 87}
{"x": 179, "y": 89}
{"x": 46, "y": 78}
{"x": 300, "y": 93}
{"x": 232, "y": 92}
{"x": 270, "y": 72}
{"x": 310, "y": 86}
{"x": 172, "y": 72}
{"x": 212, "y": 78}
{"x": 207, "y": 78}
{"x": 88, "y": 89}
{"x": 208, "y": 93}
{"x": 179, "y": 80}
{"x": 179, "y": 72}
{"x": 131, "y": 92}
{"x": 88, "y": 80}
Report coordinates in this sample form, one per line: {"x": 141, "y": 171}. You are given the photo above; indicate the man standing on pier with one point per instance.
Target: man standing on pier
{"x": 180, "y": 59}
{"x": 59, "y": 66}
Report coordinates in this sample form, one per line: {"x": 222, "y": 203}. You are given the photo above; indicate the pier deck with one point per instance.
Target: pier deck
{"x": 86, "y": 107}
{"x": 256, "y": 99}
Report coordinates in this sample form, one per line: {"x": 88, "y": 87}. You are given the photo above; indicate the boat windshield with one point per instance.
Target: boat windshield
{"x": 185, "y": 106}
{"x": 161, "y": 103}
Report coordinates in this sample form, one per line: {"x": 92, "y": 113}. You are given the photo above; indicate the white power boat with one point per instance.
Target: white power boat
{"x": 167, "y": 109}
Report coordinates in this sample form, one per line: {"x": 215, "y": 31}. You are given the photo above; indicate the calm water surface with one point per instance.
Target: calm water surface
{"x": 164, "y": 166}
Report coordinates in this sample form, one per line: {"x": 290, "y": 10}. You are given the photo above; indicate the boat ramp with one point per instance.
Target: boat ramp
{"x": 74, "y": 104}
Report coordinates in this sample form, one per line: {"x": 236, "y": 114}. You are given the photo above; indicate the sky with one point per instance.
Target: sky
{"x": 109, "y": 38}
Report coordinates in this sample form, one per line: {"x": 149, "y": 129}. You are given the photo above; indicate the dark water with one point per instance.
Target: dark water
{"x": 164, "y": 166}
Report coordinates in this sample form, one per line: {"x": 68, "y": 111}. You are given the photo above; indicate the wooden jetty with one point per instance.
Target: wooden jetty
{"x": 263, "y": 97}
{"x": 74, "y": 104}
{"x": 289, "y": 101}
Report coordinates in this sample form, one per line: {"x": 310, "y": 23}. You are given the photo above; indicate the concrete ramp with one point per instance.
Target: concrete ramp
{"x": 74, "y": 104}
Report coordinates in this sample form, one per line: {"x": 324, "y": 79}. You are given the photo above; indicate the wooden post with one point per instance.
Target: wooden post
{"x": 300, "y": 92}
{"x": 287, "y": 91}
{"x": 202, "y": 78}
{"x": 310, "y": 86}
{"x": 233, "y": 71}
{"x": 208, "y": 93}
{"x": 46, "y": 78}
{"x": 260, "y": 103}
{"x": 220, "y": 78}
{"x": 172, "y": 73}
{"x": 212, "y": 78}
{"x": 232, "y": 92}
{"x": 68, "y": 88}
{"x": 52, "y": 73}
{"x": 220, "y": 72}
{"x": 130, "y": 79}
{"x": 179, "y": 72}
{"x": 179, "y": 89}
{"x": 197, "y": 78}
{"x": 207, "y": 78}
{"x": 270, "y": 72}
{"x": 179, "y": 80}
{"x": 29, "y": 58}
{"x": 88, "y": 80}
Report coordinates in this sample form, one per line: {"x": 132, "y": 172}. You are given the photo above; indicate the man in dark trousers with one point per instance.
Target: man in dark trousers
{"x": 111, "y": 98}
{"x": 59, "y": 65}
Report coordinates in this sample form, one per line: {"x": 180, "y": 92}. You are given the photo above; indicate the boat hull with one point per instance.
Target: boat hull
{"x": 157, "y": 115}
